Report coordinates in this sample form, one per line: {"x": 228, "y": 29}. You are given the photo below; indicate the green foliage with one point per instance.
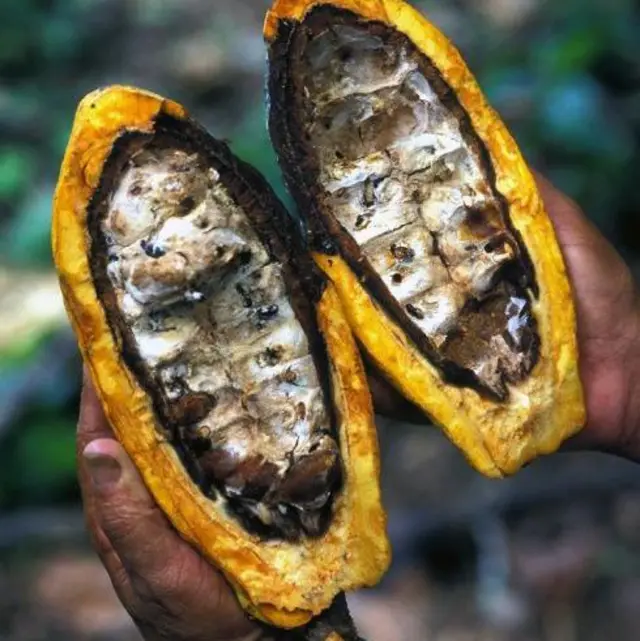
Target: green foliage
{"x": 39, "y": 388}
{"x": 42, "y": 464}
{"x": 26, "y": 238}
{"x": 254, "y": 146}
{"x": 16, "y": 171}
{"x": 568, "y": 83}
{"x": 45, "y": 48}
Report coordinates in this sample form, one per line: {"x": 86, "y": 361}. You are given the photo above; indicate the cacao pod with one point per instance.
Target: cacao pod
{"x": 423, "y": 214}
{"x": 221, "y": 355}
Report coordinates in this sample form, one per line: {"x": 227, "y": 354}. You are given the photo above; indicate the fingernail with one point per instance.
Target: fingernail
{"x": 104, "y": 470}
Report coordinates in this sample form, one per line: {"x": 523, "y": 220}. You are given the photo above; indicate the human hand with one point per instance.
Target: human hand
{"x": 608, "y": 312}
{"x": 169, "y": 590}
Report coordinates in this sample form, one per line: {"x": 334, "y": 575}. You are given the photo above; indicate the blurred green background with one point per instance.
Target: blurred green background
{"x": 564, "y": 74}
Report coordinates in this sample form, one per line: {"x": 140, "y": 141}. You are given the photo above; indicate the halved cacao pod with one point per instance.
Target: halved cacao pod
{"x": 221, "y": 355}
{"x": 426, "y": 219}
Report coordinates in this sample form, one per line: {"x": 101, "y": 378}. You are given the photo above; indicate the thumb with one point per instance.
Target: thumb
{"x": 188, "y": 596}
{"x": 125, "y": 511}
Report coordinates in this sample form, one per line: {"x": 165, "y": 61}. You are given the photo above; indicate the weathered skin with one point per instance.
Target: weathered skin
{"x": 212, "y": 322}
{"x": 404, "y": 182}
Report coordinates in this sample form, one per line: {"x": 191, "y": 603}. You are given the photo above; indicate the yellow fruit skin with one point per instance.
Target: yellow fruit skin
{"x": 284, "y": 584}
{"x": 548, "y": 407}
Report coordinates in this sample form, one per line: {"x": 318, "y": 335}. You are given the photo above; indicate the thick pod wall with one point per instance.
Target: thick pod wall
{"x": 424, "y": 216}
{"x": 221, "y": 355}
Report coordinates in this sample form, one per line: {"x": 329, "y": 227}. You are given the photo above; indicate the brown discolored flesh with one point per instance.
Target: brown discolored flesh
{"x": 372, "y": 138}
{"x": 190, "y": 257}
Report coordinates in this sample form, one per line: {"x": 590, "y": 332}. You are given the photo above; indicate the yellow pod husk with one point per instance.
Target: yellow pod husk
{"x": 283, "y": 583}
{"x": 497, "y": 436}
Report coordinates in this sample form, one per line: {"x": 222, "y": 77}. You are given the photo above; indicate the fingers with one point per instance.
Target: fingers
{"x": 568, "y": 218}
{"x": 118, "y": 507}
{"x": 600, "y": 278}
{"x": 162, "y": 581}
{"x": 608, "y": 320}
{"x": 573, "y": 227}
{"x": 125, "y": 511}
{"x": 92, "y": 423}
{"x": 584, "y": 247}
{"x": 562, "y": 210}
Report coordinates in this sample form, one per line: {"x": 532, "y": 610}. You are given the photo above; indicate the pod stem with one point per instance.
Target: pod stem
{"x": 334, "y": 624}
